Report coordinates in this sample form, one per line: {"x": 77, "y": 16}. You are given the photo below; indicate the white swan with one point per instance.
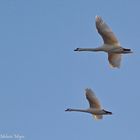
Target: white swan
{"x": 111, "y": 44}
{"x": 95, "y": 107}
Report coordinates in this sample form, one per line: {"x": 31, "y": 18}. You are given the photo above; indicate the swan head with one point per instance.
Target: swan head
{"x": 77, "y": 49}
{"x": 68, "y": 109}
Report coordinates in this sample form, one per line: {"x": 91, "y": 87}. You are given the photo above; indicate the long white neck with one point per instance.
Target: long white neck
{"x": 78, "y": 110}
{"x": 90, "y": 49}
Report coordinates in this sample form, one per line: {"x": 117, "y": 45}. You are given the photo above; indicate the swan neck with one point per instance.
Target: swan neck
{"x": 80, "y": 110}
{"x": 91, "y": 49}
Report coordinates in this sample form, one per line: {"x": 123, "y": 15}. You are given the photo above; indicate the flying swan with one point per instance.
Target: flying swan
{"x": 95, "y": 107}
{"x": 111, "y": 44}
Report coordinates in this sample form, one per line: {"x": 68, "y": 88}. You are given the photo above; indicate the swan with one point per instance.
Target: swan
{"x": 94, "y": 106}
{"x": 111, "y": 44}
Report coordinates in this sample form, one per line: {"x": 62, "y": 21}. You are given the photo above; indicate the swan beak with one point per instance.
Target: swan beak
{"x": 77, "y": 49}
{"x": 68, "y": 109}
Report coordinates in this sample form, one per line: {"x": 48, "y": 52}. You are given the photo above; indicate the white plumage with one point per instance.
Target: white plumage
{"x": 111, "y": 44}
{"x": 94, "y": 106}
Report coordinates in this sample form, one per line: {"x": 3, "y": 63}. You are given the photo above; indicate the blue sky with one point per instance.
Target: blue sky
{"x": 41, "y": 75}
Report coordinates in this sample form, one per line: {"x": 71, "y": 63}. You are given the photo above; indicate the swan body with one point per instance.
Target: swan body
{"x": 95, "y": 107}
{"x": 111, "y": 44}
{"x": 106, "y": 48}
{"x": 91, "y": 110}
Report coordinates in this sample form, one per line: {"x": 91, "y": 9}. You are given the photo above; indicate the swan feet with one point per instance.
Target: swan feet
{"x": 107, "y": 112}
{"x": 127, "y": 50}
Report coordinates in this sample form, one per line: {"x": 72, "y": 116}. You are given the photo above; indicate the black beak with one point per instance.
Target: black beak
{"x": 68, "y": 109}
{"x": 76, "y": 49}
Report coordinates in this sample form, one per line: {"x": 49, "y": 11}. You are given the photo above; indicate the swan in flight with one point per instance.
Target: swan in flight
{"x": 95, "y": 107}
{"x": 111, "y": 44}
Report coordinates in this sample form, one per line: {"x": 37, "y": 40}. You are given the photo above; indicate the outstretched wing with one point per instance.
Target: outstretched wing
{"x": 92, "y": 99}
{"x": 97, "y": 117}
{"x": 114, "y": 59}
{"x": 106, "y": 33}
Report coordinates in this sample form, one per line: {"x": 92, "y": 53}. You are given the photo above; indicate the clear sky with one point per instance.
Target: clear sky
{"x": 41, "y": 75}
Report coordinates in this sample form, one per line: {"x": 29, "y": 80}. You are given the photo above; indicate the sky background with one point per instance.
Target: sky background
{"x": 41, "y": 75}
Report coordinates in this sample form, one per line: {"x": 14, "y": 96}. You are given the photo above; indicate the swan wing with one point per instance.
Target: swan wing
{"x": 106, "y": 32}
{"x": 97, "y": 117}
{"x": 92, "y": 99}
{"x": 114, "y": 59}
